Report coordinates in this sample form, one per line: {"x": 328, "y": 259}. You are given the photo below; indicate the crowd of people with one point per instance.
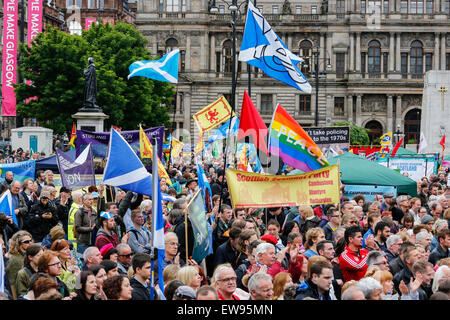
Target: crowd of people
{"x": 95, "y": 244}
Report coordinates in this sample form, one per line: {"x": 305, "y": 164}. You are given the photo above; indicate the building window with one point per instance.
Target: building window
{"x": 260, "y": 8}
{"x": 416, "y": 58}
{"x": 171, "y": 44}
{"x": 172, "y": 6}
{"x": 416, "y": 7}
{"x": 228, "y": 55}
{"x": 313, "y": 9}
{"x": 340, "y": 6}
{"x": 386, "y": 6}
{"x": 374, "y": 7}
{"x": 306, "y": 54}
{"x": 374, "y": 57}
{"x": 447, "y": 6}
{"x": 404, "y": 64}
{"x": 275, "y": 9}
{"x": 404, "y": 6}
{"x": 100, "y": 4}
{"x": 304, "y": 104}
{"x": 363, "y": 6}
{"x": 385, "y": 62}
{"x": 428, "y": 61}
{"x": 266, "y": 104}
{"x": 298, "y": 10}
{"x": 339, "y": 103}
{"x": 161, "y": 5}
{"x": 182, "y": 59}
{"x": 340, "y": 65}
{"x": 221, "y": 9}
{"x": 183, "y": 5}
{"x": 429, "y": 8}
{"x": 218, "y": 57}
{"x": 91, "y": 4}
{"x": 447, "y": 61}
{"x": 363, "y": 63}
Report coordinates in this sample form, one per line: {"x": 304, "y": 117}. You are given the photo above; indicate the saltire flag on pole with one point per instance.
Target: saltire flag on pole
{"x": 73, "y": 136}
{"x": 262, "y": 48}
{"x": 423, "y": 143}
{"x": 164, "y": 69}
{"x": 203, "y": 184}
{"x": 289, "y": 141}
{"x": 197, "y": 215}
{"x": 147, "y": 153}
{"x": 399, "y": 143}
{"x": 77, "y": 172}
{"x": 222, "y": 132}
{"x": 124, "y": 169}
{"x": 251, "y": 124}
{"x": 7, "y": 206}
{"x": 213, "y": 114}
{"x": 158, "y": 242}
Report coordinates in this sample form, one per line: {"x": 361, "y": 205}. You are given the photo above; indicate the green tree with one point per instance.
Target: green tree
{"x": 55, "y": 64}
{"x": 358, "y": 135}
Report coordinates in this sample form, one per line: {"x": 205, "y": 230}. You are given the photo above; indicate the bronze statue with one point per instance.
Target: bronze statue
{"x": 90, "y": 88}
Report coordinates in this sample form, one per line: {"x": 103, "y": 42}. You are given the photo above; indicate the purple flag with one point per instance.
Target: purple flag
{"x": 77, "y": 172}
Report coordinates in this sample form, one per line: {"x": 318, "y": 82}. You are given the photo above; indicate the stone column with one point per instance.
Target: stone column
{"x": 398, "y": 112}
{"x": 443, "y": 49}
{"x": 188, "y": 53}
{"x": 389, "y": 119}
{"x": 330, "y": 51}
{"x": 398, "y": 6}
{"x": 350, "y": 108}
{"x": 187, "y": 111}
{"x": 203, "y": 55}
{"x": 398, "y": 63}
{"x": 391, "y": 51}
{"x": 437, "y": 6}
{"x": 358, "y": 109}
{"x": 442, "y": 6}
{"x": 358, "y": 52}
{"x": 322, "y": 48}
{"x": 212, "y": 54}
{"x": 351, "y": 52}
{"x": 436, "y": 51}
{"x": 391, "y": 6}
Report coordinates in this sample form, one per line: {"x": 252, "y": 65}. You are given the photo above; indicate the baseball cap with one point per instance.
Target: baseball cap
{"x": 64, "y": 189}
{"x": 185, "y": 292}
{"x": 388, "y": 195}
{"x": 427, "y": 218}
{"x": 106, "y": 215}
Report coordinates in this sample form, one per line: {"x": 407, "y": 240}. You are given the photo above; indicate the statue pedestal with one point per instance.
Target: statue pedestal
{"x": 90, "y": 121}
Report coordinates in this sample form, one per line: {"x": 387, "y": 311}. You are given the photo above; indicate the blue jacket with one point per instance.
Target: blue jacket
{"x": 308, "y": 289}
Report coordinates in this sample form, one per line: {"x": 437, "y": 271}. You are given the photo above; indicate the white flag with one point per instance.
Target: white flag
{"x": 423, "y": 143}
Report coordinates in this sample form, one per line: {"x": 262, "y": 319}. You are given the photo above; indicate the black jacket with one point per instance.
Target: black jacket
{"x": 405, "y": 274}
{"x": 219, "y": 230}
{"x": 179, "y": 229}
{"x": 38, "y": 226}
{"x": 309, "y": 290}
{"x": 63, "y": 212}
{"x": 139, "y": 291}
{"x": 396, "y": 265}
{"x": 225, "y": 253}
{"x": 437, "y": 254}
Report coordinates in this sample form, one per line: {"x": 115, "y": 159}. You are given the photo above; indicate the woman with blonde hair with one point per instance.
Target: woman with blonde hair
{"x": 280, "y": 282}
{"x": 313, "y": 237}
{"x": 170, "y": 273}
{"x": 190, "y": 276}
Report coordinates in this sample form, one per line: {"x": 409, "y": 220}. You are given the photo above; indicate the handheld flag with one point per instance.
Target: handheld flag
{"x": 79, "y": 172}
{"x": 289, "y": 141}
{"x": 157, "y": 227}
{"x": 251, "y": 124}
{"x": 213, "y": 114}
{"x": 147, "y": 153}
{"x": 423, "y": 143}
{"x": 262, "y": 48}
{"x": 196, "y": 213}
{"x": 124, "y": 169}
{"x": 73, "y": 136}
{"x": 222, "y": 132}
{"x": 7, "y": 207}
{"x": 386, "y": 139}
{"x": 164, "y": 69}
{"x": 398, "y": 144}
{"x": 203, "y": 184}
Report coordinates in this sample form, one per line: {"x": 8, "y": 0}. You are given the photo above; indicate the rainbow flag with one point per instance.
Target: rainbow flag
{"x": 292, "y": 144}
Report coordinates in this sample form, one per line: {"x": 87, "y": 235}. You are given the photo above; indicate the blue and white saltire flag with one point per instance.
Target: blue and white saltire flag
{"x": 167, "y": 197}
{"x": 124, "y": 169}
{"x": 262, "y": 48}
{"x": 222, "y": 132}
{"x": 158, "y": 233}
{"x": 7, "y": 206}
{"x": 204, "y": 186}
{"x": 164, "y": 69}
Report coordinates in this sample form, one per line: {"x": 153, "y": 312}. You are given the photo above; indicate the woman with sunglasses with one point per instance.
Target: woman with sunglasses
{"x": 20, "y": 241}
{"x": 32, "y": 254}
{"x": 69, "y": 268}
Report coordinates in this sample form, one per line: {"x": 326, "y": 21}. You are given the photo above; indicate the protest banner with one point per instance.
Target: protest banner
{"x": 417, "y": 168}
{"x": 331, "y": 140}
{"x": 254, "y": 190}
{"x": 197, "y": 215}
{"x": 21, "y": 170}
{"x": 367, "y": 191}
{"x": 77, "y": 172}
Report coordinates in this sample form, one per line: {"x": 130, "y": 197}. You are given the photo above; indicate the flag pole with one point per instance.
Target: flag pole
{"x": 155, "y": 200}
{"x": 339, "y": 184}
{"x": 185, "y": 224}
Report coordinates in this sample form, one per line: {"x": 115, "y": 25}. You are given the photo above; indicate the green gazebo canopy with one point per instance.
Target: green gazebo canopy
{"x": 360, "y": 171}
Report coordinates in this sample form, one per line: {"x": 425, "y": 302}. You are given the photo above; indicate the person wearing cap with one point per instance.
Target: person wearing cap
{"x": 106, "y": 234}
{"x": 42, "y": 217}
{"x": 386, "y": 203}
{"x": 428, "y": 221}
{"x": 191, "y": 186}
{"x": 184, "y": 293}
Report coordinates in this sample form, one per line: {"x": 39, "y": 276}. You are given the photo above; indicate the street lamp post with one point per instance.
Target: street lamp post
{"x": 398, "y": 134}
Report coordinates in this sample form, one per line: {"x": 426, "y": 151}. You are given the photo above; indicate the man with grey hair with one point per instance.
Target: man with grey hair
{"x": 443, "y": 201}
{"x": 225, "y": 278}
{"x": 146, "y": 209}
{"x": 124, "y": 258}
{"x": 84, "y": 223}
{"x": 91, "y": 256}
{"x": 19, "y": 203}
{"x": 423, "y": 238}
{"x": 353, "y": 293}
{"x": 338, "y": 234}
{"x": 393, "y": 244}
{"x": 377, "y": 259}
{"x": 180, "y": 204}
{"x": 260, "y": 286}
{"x": 371, "y": 288}
{"x": 402, "y": 208}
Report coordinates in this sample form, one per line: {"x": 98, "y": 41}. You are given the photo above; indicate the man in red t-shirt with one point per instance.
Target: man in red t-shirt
{"x": 353, "y": 260}
{"x": 225, "y": 278}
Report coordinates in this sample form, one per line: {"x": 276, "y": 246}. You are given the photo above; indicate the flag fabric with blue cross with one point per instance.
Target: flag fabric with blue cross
{"x": 262, "y": 48}
{"x": 164, "y": 69}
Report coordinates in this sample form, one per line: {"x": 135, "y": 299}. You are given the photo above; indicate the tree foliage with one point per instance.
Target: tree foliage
{"x": 55, "y": 62}
{"x": 358, "y": 135}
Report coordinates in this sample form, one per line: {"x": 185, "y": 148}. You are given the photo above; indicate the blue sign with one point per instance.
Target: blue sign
{"x": 21, "y": 170}
{"x": 368, "y": 191}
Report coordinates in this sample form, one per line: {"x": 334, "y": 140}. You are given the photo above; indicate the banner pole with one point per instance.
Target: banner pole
{"x": 185, "y": 225}
{"x": 339, "y": 183}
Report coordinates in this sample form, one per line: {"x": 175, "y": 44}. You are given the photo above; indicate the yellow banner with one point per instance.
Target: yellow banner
{"x": 177, "y": 146}
{"x": 147, "y": 153}
{"x": 213, "y": 114}
{"x": 254, "y": 190}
